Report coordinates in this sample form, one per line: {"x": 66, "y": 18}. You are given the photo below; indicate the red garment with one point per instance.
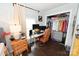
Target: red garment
{"x": 64, "y": 26}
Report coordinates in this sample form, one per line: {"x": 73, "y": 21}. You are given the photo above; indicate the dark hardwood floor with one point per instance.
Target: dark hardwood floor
{"x": 51, "y": 48}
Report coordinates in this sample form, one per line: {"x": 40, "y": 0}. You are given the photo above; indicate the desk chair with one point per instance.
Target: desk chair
{"x": 45, "y": 37}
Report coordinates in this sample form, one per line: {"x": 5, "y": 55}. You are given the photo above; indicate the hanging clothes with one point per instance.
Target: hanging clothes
{"x": 60, "y": 25}
{"x": 55, "y": 25}
{"x": 63, "y": 26}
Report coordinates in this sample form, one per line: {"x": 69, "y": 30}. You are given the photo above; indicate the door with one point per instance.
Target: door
{"x": 75, "y": 51}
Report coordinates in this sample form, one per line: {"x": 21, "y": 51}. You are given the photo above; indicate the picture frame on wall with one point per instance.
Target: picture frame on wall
{"x": 40, "y": 18}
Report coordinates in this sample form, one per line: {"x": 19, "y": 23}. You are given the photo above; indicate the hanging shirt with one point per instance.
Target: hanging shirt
{"x": 60, "y": 25}
{"x": 55, "y": 25}
{"x": 63, "y": 26}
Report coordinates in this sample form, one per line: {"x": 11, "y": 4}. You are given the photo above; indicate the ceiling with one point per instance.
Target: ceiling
{"x": 43, "y": 6}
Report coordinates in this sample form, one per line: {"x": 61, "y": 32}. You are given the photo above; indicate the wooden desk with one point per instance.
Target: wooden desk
{"x": 36, "y": 35}
{"x": 33, "y": 37}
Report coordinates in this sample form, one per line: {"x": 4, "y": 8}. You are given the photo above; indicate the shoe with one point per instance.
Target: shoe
{"x": 42, "y": 44}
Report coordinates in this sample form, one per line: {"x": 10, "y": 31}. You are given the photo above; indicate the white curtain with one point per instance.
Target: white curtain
{"x": 15, "y": 27}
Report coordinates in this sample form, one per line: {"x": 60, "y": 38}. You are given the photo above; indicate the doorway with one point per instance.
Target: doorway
{"x": 59, "y": 26}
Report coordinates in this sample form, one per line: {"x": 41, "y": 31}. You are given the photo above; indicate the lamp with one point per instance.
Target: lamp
{"x": 15, "y": 30}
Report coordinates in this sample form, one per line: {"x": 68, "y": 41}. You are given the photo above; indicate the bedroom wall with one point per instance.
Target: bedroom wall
{"x": 5, "y": 15}
{"x": 6, "y": 19}
{"x": 31, "y": 18}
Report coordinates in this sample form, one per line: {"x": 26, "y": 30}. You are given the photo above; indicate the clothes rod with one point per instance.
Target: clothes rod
{"x": 26, "y": 7}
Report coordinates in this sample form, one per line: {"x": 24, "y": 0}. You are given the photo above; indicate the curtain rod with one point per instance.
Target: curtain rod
{"x": 26, "y": 7}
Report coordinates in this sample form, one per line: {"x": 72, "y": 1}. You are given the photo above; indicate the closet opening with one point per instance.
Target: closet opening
{"x": 59, "y": 25}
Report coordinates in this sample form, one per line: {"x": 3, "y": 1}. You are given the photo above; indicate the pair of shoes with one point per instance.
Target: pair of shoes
{"x": 42, "y": 44}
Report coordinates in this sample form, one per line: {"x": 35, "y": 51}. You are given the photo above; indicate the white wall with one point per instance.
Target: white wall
{"x": 65, "y": 8}
{"x": 5, "y": 15}
{"x": 31, "y": 18}
{"x": 5, "y": 20}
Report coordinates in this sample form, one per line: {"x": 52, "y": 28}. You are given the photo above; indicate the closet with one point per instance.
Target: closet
{"x": 59, "y": 26}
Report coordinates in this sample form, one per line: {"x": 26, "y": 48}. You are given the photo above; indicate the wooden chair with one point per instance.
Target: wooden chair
{"x": 46, "y": 36}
